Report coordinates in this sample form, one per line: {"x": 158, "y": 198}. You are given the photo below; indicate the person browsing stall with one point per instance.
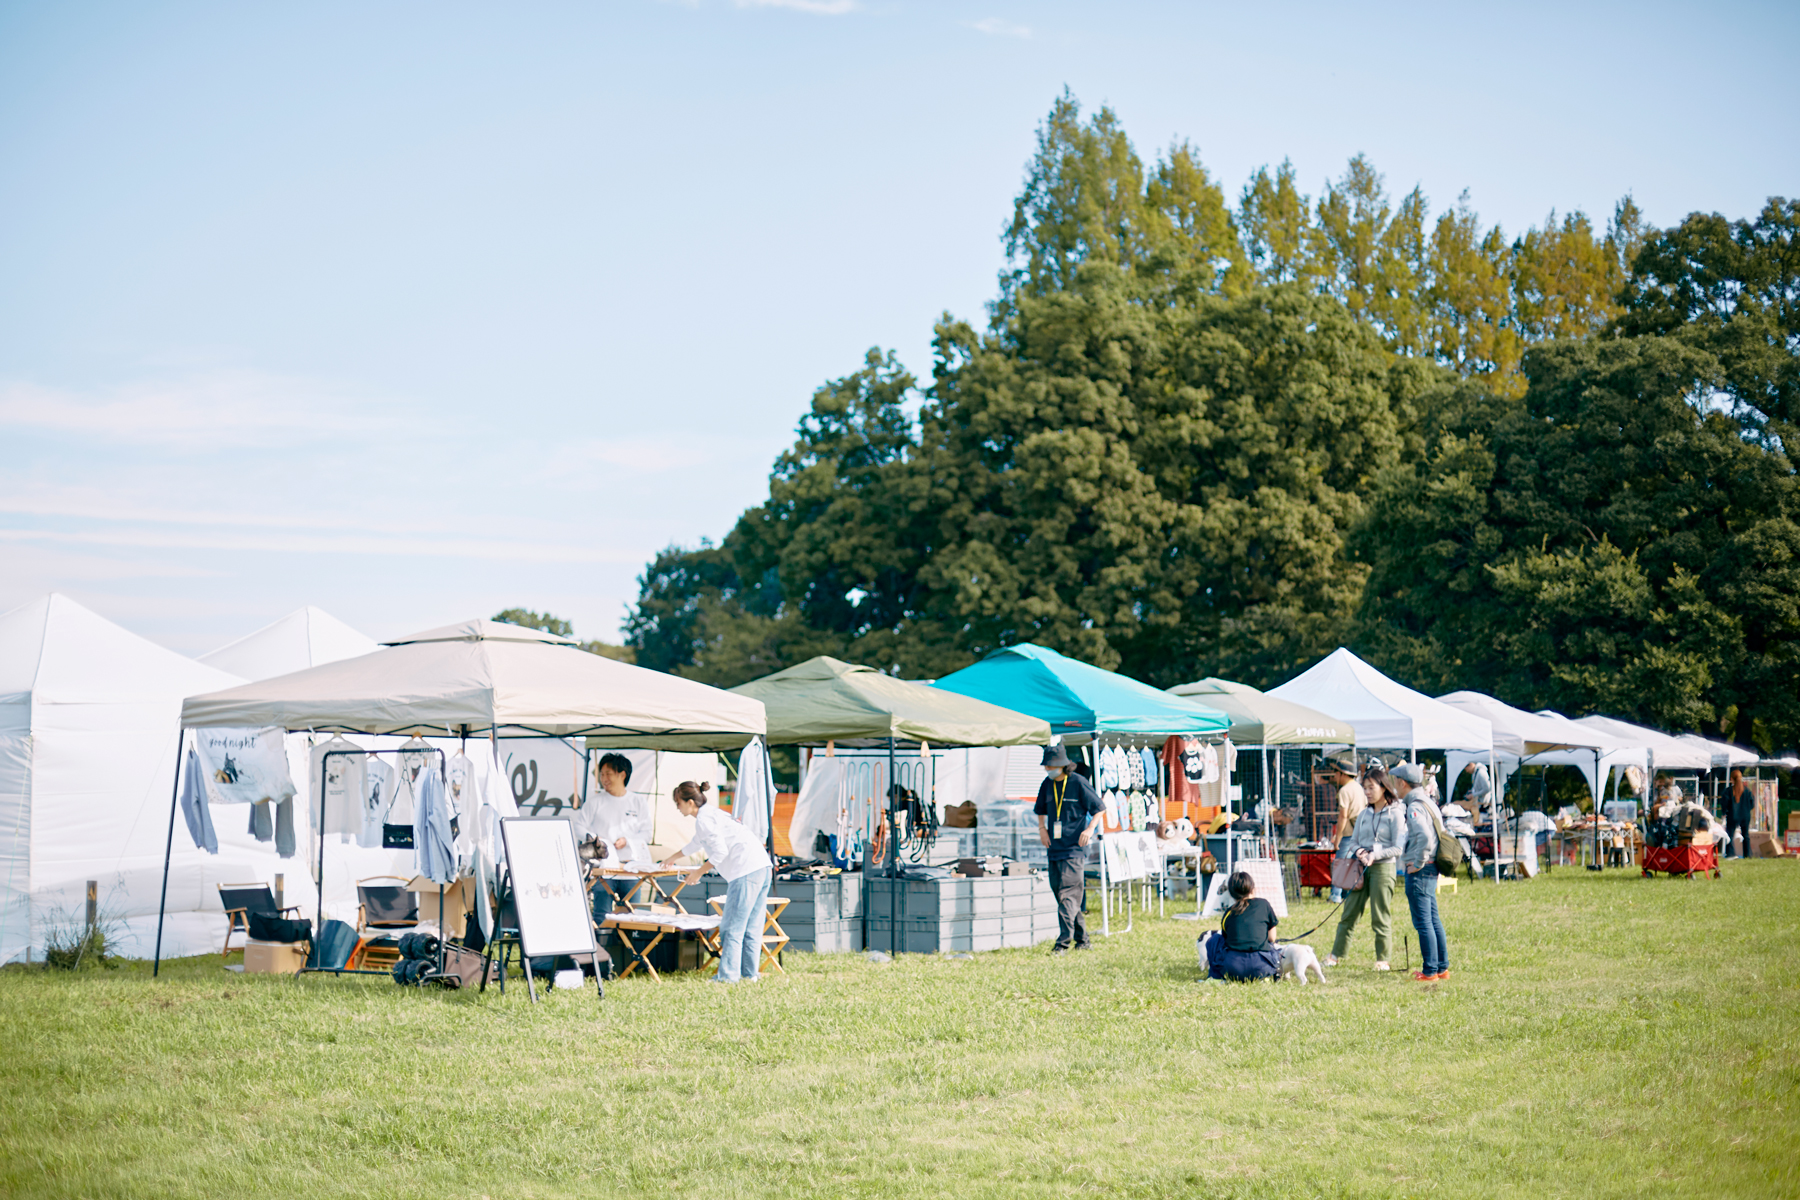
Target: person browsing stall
{"x": 1740, "y": 803}
{"x": 1341, "y": 770}
{"x": 1244, "y": 947}
{"x": 1418, "y": 863}
{"x": 1375, "y": 842}
{"x": 740, "y": 860}
{"x": 1068, "y": 812}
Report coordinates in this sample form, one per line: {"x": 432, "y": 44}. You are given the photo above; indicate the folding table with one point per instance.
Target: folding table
{"x": 774, "y": 939}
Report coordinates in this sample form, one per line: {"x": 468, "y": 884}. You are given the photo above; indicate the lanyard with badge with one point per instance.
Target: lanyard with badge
{"x": 1062, "y": 785}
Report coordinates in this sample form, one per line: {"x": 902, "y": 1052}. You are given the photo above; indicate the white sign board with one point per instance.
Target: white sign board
{"x": 1129, "y": 855}
{"x": 555, "y": 915}
{"x": 1266, "y": 872}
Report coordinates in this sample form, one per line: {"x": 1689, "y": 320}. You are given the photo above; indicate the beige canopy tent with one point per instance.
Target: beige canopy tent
{"x": 1259, "y": 719}
{"x": 826, "y": 700}
{"x": 484, "y": 678}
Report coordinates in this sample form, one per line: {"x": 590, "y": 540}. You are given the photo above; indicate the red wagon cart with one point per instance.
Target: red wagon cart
{"x": 1686, "y": 861}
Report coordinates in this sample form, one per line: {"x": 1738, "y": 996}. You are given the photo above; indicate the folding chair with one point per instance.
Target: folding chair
{"x": 383, "y": 911}
{"x": 242, "y": 899}
{"x": 774, "y": 938}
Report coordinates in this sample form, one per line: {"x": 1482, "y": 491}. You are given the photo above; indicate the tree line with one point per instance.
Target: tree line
{"x": 1199, "y": 438}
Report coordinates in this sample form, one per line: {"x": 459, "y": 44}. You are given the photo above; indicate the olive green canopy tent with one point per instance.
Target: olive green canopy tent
{"x": 1259, "y": 719}
{"x": 826, "y": 700}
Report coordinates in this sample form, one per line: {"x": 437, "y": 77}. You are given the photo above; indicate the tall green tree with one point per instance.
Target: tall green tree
{"x": 1582, "y": 548}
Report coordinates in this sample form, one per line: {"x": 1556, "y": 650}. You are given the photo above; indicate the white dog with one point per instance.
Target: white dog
{"x": 1296, "y": 959}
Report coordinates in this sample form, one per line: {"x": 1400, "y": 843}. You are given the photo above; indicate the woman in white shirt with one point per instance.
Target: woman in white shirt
{"x": 740, "y": 859}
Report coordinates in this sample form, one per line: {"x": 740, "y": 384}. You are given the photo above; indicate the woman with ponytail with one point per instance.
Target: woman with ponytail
{"x": 740, "y": 859}
{"x": 1244, "y": 948}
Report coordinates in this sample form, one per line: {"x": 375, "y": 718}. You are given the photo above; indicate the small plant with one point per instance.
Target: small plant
{"x": 70, "y": 944}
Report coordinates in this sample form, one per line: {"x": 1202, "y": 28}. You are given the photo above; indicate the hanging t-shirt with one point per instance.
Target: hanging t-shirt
{"x": 344, "y": 786}
{"x": 414, "y": 755}
{"x": 378, "y": 795}
{"x": 244, "y": 766}
{"x": 1182, "y": 788}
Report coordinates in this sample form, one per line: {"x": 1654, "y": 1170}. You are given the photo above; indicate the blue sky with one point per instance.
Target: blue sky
{"x": 417, "y": 311}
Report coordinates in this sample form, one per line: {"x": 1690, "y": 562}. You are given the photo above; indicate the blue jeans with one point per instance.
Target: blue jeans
{"x": 741, "y": 926}
{"x": 1421, "y": 901}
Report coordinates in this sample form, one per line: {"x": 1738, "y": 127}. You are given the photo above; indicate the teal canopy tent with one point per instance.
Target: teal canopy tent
{"x": 1078, "y": 700}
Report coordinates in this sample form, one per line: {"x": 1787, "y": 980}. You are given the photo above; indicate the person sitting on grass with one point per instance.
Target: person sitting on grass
{"x": 1244, "y": 947}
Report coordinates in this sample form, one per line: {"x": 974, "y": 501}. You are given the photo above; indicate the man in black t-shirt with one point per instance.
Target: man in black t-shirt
{"x": 1068, "y": 813}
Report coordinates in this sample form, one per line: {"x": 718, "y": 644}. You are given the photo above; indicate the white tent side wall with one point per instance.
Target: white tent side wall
{"x": 15, "y": 829}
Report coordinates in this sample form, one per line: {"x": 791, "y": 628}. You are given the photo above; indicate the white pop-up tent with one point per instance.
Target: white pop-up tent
{"x": 1724, "y": 754}
{"x": 1385, "y": 714}
{"x": 1544, "y": 739}
{"x": 489, "y": 680}
{"x": 306, "y": 637}
{"x": 88, "y": 717}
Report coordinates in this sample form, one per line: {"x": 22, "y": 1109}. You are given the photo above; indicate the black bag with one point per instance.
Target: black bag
{"x": 265, "y": 928}
{"x": 396, "y": 837}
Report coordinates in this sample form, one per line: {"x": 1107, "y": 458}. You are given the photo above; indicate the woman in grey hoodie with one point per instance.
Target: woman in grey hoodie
{"x": 1375, "y": 841}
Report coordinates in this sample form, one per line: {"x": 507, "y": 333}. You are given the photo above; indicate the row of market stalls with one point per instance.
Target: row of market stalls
{"x": 89, "y": 717}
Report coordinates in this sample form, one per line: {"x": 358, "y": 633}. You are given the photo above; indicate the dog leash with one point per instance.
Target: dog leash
{"x": 1303, "y": 936}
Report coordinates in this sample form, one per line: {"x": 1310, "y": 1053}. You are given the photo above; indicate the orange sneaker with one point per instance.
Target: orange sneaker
{"x": 1422, "y": 977}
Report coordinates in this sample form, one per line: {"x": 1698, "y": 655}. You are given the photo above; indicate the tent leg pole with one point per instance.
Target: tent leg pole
{"x": 162, "y": 905}
{"x": 319, "y": 879}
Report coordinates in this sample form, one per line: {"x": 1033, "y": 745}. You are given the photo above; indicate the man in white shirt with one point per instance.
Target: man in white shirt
{"x": 619, "y": 817}
{"x": 619, "y": 820}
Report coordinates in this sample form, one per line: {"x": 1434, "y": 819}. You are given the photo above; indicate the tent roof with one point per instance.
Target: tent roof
{"x": 824, "y": 699}
{"x": 304, "y": 638}
{"x": 516, "y": 683}
{"x": 1079, "y": 700}
{"x": 1258, "y": 719}
{"x": 1385, "y": 713}
{"x": 1664, "y": 750}
{"x": 1526, "y": 733}
{"x": 482, "y": 630}
{"x": 1724, "y": 754}
{"x": 56, "y": 651}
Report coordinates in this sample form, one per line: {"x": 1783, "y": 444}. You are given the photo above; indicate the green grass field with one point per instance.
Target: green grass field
{"x": 1600, "y": 1036}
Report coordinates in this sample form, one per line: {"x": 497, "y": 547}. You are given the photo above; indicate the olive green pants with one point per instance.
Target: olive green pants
{"x": 1378, "y": 894}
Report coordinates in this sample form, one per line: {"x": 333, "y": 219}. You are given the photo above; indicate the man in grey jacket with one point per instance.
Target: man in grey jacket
{"x": 1418, "y": 863}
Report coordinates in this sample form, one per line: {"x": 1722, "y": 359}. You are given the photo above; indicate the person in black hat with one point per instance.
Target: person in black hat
{"x": 1068, "y": 813}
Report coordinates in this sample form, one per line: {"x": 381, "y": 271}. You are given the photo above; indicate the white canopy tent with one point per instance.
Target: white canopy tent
{"x": 1724, "y": 754}
{"x": 1546, "y": 739}
{"x": 306, "y": 637}
{"x": 487, "y": 679}
{"x": 1385, "y": 714}
{"x": 311, "y": 637}
{"x": 492, "y": 680}
{"x": 88, "y": 717}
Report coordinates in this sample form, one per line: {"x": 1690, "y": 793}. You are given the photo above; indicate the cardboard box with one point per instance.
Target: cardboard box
{"x": 273, "y": 958}
{"x": 1794, "y": 821}
{"x": 1764, "y": 845}
{"x": 459, "y": 897}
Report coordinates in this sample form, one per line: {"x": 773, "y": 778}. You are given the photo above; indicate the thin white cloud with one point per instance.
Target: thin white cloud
{"x": 995, "y": 27}
{"x": 383, "y": 545}
{"x": 820, "y": 8}
{"x": 218, "y": 410}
